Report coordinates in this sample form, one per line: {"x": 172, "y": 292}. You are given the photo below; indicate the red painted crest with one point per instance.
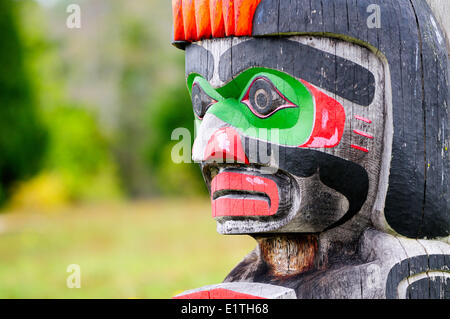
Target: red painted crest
{"x": 202, "y": 19}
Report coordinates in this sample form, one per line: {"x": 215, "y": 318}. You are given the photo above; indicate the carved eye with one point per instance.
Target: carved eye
{"x": 200, "y": 101}
{"x": 264, "y": 99}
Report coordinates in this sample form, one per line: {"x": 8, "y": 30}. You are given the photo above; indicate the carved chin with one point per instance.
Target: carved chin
{"x": 247, "y": 202}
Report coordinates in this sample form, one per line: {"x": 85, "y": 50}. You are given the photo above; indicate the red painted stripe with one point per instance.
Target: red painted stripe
{"x": 360, "y": 148}
{"x": 363, "y": 119}
{"x": 362, "y": 133}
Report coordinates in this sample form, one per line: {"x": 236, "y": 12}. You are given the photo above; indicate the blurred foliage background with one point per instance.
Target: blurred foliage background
{"x": 93, "y": 105}
{"x": 86, "y": 117}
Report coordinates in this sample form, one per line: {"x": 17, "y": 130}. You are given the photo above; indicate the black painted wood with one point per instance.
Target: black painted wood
{"x": 429, "y": 287}
{"x": 417, "y": 203}
{"x": 435, "y": 86}
{"x": 202, "y": 61}
{"x": 315, "y": 66}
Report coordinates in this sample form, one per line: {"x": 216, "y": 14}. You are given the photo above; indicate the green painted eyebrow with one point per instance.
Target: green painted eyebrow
{"x": 295, "y": 124}
{"x": 237, "y": 87}
{"x": 206, "y": 87}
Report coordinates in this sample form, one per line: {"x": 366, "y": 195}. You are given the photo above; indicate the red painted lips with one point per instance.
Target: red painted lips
{"x": 237, "y": 194}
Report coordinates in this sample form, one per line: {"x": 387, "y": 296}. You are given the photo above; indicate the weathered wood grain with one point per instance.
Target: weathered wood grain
{"x": 441, "y": 11}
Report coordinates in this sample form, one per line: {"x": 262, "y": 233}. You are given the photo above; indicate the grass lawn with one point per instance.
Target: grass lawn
{"x": 151, "y": 249}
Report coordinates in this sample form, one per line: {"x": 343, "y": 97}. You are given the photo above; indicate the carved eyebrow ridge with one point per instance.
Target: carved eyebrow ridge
{"x": 330, "y": 72}
{"x": 201, "y": 61}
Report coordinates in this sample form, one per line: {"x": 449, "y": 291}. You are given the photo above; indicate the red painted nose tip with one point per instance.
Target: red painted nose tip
{"x": 225, "y": 145}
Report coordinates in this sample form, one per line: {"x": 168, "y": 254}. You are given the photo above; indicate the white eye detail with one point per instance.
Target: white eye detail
{"x": 264, "y": 99}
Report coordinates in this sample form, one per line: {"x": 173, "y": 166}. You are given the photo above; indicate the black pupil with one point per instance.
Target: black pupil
{"x": 263, "y": 97}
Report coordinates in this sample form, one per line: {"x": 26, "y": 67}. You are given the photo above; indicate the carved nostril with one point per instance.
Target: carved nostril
{"x": 225, "y": 145}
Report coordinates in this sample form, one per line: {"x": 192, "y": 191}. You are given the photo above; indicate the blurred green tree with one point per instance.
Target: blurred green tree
{"x": 79, "y": 154}
{"x": 153, "y": 102}
{"x": 135, "y": 87}
{"x": 172, "y": 109}
{"x": 110, "y": 95}
{"x": 77, "y": 164}
{"x": 22, "y": 135}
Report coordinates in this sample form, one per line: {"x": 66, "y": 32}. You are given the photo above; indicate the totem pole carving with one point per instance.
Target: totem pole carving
{"x": 325, "y": 138}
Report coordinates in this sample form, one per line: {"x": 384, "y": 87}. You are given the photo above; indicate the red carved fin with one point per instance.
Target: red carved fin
{"x": 217, "y": 22}
{"x": 244, "y": 11}
{"x": 228, "y": 16}
{"x": 190, "y": 27}
{"x": 202, "y": 17}
{"x": 178, "y": 25}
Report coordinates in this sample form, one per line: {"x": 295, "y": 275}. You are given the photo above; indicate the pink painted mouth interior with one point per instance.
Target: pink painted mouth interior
{"x": 243, "y": 203}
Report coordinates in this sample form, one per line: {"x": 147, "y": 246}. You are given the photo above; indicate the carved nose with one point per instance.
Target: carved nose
{"x": 225, "y": 145}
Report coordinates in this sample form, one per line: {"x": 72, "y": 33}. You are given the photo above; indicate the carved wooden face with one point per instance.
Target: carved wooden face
{"x": 290, "y": 131}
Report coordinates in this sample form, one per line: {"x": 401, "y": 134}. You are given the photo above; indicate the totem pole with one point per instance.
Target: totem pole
{"x": 322, "y": 133}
